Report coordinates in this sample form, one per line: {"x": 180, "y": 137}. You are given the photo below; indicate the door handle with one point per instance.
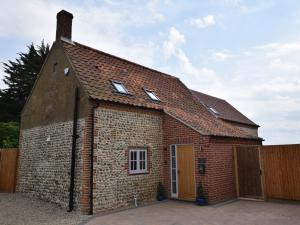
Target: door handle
{"x": 178, "y": 172}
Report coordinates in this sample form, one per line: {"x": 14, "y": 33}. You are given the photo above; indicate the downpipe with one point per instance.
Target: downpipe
{"x": 73, "y": 153}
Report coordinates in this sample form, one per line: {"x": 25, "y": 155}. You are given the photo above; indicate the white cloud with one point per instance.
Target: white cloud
{"x": 192, "y": 75}
{"x": 280, "y": 49}
{"x": 221, "y": 56}
{"x": 202, "y": 22}
{"x": 153, "y": 6}
{"x": 246, "y": 7}
{"x": 285, "y": 66}
{"x": 175, "y": 39}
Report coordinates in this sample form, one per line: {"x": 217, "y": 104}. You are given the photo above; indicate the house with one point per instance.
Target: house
{"x": 98, "y": 132}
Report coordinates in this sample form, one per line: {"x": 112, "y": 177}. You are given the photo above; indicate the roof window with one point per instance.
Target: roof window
{"x": 213, "y": 110}
{"x": 152, "y": 95}
{"x": 119, "y": 87}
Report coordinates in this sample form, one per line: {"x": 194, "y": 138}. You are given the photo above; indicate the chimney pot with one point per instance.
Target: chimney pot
{"x": 64, "y": 25}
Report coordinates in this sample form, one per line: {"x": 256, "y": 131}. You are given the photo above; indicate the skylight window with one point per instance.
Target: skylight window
{"x": 119, "y": 87}
{"x": 213, "y": 110}
{"x": 152, "y": 95}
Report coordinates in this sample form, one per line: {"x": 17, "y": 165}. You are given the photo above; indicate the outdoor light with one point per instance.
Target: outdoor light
{"x": 202, "y": 165}
{"x": 66, "y": 71}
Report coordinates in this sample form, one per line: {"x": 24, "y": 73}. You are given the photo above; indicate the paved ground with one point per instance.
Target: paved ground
{"x": 180, "y": 213}
{"x": 16, "y": 210}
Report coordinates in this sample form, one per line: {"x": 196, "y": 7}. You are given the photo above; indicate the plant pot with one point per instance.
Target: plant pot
{"x": 200, "y": 201}
{"x": 160, "y": 198}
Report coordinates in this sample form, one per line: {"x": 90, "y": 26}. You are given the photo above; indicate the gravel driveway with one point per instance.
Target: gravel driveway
{"x": 16, "y": 209}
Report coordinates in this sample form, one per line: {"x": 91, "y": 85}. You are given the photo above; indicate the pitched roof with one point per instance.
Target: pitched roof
{"x": 96, "y": 69}
{"x": 225, "y": 110}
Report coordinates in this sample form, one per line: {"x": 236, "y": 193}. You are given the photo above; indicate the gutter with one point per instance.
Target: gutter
{"x": 74, "y": 139}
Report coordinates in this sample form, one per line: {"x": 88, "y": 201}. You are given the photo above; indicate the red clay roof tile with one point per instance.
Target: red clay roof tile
{"x": 95, "y": 70}
{"x": 226, "y": 111}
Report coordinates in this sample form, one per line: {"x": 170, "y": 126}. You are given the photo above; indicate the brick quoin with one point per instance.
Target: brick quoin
{"x": 86, "y": 161}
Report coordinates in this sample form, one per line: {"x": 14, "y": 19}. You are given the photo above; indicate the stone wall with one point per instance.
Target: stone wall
{"x": 116, "y": 131}
{"x": 44, "y": 166}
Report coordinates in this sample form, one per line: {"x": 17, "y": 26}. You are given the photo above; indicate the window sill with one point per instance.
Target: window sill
{"x": 141, "y": 173}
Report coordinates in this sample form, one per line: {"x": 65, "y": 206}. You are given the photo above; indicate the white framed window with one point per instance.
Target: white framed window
{"x": 138, "y": 161}
{"x": 119, "y": 87}
{"x": 174, "y": 173}
{"x": 213, "y": 110}
{"x": 152, "y": 95}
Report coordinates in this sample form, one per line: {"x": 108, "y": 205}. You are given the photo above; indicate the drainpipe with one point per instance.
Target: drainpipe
{"x": 74, "y": 138}
{"x": 91, "y": 160}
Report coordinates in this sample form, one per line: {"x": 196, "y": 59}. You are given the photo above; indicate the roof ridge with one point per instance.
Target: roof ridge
{"x": 208, "y": 95}
{"x": 122, "y": 59}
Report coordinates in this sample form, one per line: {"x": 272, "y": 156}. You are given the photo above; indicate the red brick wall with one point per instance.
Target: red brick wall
{"x": 177, "y": 133}
{"x": 221, "y": 176}
{"x": 219, "y": 179}
{"x": 86, "y": 162}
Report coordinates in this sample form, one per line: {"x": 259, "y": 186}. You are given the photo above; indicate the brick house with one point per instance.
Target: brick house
{"x": 98, "y": 130}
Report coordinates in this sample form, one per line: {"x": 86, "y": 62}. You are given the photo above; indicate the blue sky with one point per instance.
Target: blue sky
{"x": 247, "y": 52}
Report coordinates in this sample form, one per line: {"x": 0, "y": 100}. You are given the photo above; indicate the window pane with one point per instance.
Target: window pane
{"x": 173, "y": 150}
{"x": 152, "y": 95}
{"x": 120, "y": 88}
{"x": 134, "y": 156}
{"x": 134, "y": 165}
{"x": 142, "y": 165}
{"x": 173, "y": 174}
{"x": 174, "y": 189}
{"x": 141, "y": 156}
{"x": 131, "y": 165}
{"x": 173, "y": 162}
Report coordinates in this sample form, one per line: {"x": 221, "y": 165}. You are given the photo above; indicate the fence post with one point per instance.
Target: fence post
{"x": 236, "y": 172}
{"x": 262, "y": 169}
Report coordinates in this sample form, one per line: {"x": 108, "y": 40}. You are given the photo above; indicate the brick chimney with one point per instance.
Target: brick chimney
{"x": 64, "y": 25}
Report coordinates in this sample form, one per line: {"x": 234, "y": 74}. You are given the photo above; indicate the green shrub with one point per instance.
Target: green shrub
{"x": 160, "y": 189}
{"x": 200, "y": 191}
{"x": 9, "y": 135}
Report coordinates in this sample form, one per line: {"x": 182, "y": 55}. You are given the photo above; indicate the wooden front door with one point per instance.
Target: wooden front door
{"x": 248, "y": 171}
{"x": 186, "y": 173}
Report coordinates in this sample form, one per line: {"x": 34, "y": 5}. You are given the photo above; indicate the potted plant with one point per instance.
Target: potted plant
{"x": 160, "y": 192}
{"x": 200, "y": 199}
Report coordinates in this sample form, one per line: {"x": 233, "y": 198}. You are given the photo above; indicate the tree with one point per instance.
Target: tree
{"x": 20, "y": 77}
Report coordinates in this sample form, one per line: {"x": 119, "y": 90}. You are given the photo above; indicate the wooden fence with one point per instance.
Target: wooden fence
{"x": 281, "y": 165}
{"x": 8, "y": 169}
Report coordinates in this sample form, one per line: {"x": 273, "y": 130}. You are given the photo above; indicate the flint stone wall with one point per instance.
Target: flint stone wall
{"x": 44, "y": 168}
{"x": 117, "y": 131}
